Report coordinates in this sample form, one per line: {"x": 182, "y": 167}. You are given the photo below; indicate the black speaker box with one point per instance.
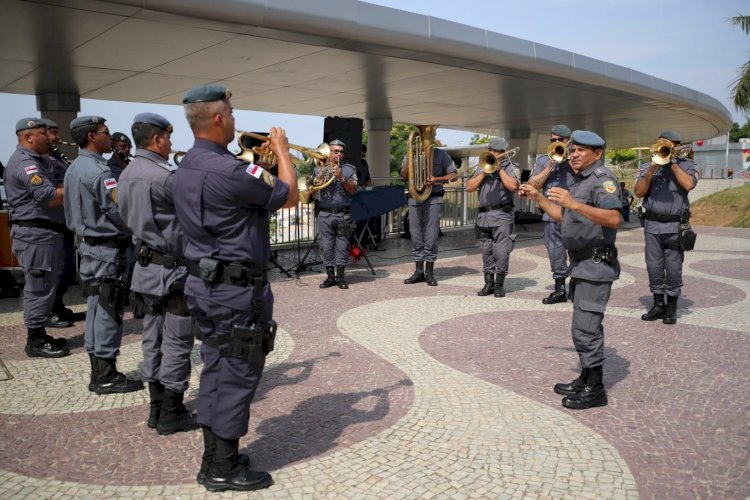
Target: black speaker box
{"x": 349, "y": 131}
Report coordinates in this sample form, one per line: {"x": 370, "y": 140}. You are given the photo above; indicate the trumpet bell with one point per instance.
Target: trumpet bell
{"x": 487, "y": 162}
{"x": 303, "y": 187}
{"x": 661, "y": 151}
{"x": 558, "y": 151}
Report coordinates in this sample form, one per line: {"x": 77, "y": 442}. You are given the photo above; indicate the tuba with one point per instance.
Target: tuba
{"x": 557, "y": 151}
{"x": 664, "y": 151}
{"x": 419, "y": 161}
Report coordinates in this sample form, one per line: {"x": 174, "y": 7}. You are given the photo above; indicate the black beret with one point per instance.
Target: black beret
{"x": 120, "y": 137}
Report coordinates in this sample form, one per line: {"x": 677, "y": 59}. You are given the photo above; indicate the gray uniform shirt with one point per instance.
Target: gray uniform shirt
{"x": 598, "y": 187}
{"x": 441, "y": 165}
{"x": 492, "y": 192}
{"x": 30, "y": 190}
{"x": 146, "y": 200}
{"x": 335, "y": 196}
{"x": 562, "y": 176}
{"x": 665, "y": 196}
{"x": 90, "y": 194}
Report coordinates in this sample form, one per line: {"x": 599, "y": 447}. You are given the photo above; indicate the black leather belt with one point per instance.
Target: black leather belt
{"x": 649, "y": 215}
{"x": 41, "y": 223}
{"x": 504, "y": 206}
{"x": 230, "y": 273}
{"x": 335, "y": 210}
{"x": 146, "y": 256}
{"x": 606, "y": 253}
{"x": 118, "y": 243}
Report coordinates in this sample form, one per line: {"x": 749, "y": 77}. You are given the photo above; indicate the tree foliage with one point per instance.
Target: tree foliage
{"x": 620, "y": 156}
{"x": 479, "y": 139}
{"x": 741, "y": 89}
{"x": 399, "y": 136}
{"x": 736, "y": 132}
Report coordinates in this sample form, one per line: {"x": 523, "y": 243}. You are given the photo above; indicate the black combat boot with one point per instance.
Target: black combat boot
{"x": 429, "y": 277}
{"x": 657, "y": 310}
{"x": 209, "y": 446}
{"x": 330, "y": 280}
{"x": 92, "y": 378}
{"x": 670, "y": 312}
{"x": 418, "y": 275}
{"x": 573, "y": 387}
{"x": 37, "y": 345}
{"x": 174, "y": 416}
{"x": 156, "y": 395}
{"x": 226, "y": 473}
{"x": 591, "y": 394}
{"x": 499, "y": 285}
{"x": 110, "y": 381}
{"x": 340, "y": 280}
{"x": 489, "y": 285}
{"x": 571, "y": 290}
{"x": 558, "y": 295}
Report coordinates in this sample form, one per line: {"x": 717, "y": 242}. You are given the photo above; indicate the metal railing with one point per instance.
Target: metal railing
{"x": 460, "y": 209}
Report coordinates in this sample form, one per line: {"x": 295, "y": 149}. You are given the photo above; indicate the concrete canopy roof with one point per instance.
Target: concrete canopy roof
{"x": 338, "y": 58}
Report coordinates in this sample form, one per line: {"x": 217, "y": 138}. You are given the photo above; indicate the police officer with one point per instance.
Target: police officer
{"x": 547, "y": 174}
{"x": 664, "y": 189}
{"x": 120, "y": 158}
{"x": 37, "y": 224}
{"x": 424, "y": 218}
{"x": 590, "y": 215}
{"x": 496, "y": 226}
{"x": 92, "y": 214}
{"x": 57, "y": 164}
{"x": 334, "y": 221}
{"x": 223, "y": 205}
{"x": 146, "y": 201}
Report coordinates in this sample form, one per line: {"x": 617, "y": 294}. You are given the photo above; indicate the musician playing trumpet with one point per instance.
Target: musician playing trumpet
{"x": 334, "y": 221}
{"x": 495, "y": 226}
{"x": 553, "y": 170}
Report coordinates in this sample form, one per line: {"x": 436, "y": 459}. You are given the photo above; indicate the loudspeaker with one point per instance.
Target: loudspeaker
{"x": 349, "y": 131}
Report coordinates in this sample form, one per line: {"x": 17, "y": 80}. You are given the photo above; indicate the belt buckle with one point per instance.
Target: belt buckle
{"x": 168, "y": 261}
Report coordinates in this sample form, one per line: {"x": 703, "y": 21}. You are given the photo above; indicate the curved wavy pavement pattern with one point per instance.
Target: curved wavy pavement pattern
{"x": 394, "y": 391}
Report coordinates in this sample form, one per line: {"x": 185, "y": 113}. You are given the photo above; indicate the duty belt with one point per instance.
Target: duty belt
{"x": 607, "y": 253}
{"x": 119, "y": 243}
{"x": 40, "y": 223}
{"x": 214, "y": 271}
{"x": 504, "y": 206}
{"x": 335, "y": 210}
{"x": 146, "y": 256}
{"x": 649, "y": 215}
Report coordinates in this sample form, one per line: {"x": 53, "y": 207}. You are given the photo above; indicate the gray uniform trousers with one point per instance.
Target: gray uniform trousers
{"x": 589, "y": 302}
{"x": 333, "y": 233}
{"x": 424, "y": 226}
{"x": 103, "y": 334}
{"x": 558, "y": 256}
{"x": 167, "y": 342}
{"x": 42, "y": 265}
{"x": 496, "y": 250}
{"x": 664, "y": 263}
{"x": 227, "y": 383}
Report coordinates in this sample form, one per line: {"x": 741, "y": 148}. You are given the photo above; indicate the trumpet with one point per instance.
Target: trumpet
{"x": 486, "y": 163}
{"x": 664, "y": 151}
{"x": 178, "y": 156}
{"x": 557, "y": 151}
{"x": 268, "y": 157}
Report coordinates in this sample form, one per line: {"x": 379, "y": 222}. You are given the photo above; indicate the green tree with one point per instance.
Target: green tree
{"x": 737, "y": 132}
{"x": 399, "y": 136}
{"x": 479, "y": 139}
{"x": 741, "y": 90}
{"x": 620, "y": 156}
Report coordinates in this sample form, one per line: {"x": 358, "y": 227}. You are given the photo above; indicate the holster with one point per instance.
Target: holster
{"x": 686, "y": 236}
{"x": 482, "y": 233}
{"x": 112, "y": 293}
{"x": 252, "y": 342}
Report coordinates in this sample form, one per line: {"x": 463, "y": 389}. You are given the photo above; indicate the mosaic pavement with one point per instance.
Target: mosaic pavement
{"x": 394, "y": 391}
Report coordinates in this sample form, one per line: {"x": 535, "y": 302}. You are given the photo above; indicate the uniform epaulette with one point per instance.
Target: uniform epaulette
{"x": 601, "y": 171}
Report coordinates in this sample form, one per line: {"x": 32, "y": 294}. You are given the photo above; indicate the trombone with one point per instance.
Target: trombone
{"x": 664, "y": 150}
{"x": 488, "y": 163}
{"x": 557, "y": 152}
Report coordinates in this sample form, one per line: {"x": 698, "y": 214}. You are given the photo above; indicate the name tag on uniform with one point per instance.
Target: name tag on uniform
{"x": 110, "y": 183}
{"x": 31, "y": 169}
{"x": 254, "y": 170}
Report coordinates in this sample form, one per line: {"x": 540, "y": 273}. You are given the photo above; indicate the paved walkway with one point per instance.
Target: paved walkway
{"x": 393, "y": 391}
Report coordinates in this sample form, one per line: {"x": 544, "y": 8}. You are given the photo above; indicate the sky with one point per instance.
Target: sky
{"x": 689, "y": 42}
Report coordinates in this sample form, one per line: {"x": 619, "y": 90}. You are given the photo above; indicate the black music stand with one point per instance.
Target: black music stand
{"x": 301, "y": 266}
{"x": 273, "y": 260}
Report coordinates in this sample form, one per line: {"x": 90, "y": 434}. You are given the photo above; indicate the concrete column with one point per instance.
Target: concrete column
{"x": 379, "y": 148}
{"x": 61, "y": 108}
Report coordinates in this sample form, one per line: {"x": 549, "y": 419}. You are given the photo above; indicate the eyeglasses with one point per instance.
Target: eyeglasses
{"x": 105, "y": 132}
{"x": 557, "y": 139}
{"x": 337, "y": 151}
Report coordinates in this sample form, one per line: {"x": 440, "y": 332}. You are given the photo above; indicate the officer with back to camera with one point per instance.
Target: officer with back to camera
{"x": 589, "y": 213}
{"x": 146, "y": 201}
{"x": 223, "y": 205}
{"x": 38, "y": 222}
{"x": 91, "y": 213}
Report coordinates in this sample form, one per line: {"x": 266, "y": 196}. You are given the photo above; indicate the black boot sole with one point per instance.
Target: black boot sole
{"x": 563, "y": 391}
{"x": 117, "y": 389}
{"x": 574, "y": 404}
{"x": 216, "y": 487}
{"x": 38, "y": 354}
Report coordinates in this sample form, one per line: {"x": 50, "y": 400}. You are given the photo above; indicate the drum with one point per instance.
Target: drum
{"x": 7, "y": 259}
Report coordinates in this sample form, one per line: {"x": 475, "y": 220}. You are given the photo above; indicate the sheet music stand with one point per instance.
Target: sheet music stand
{"x": 301, "y": 265}
{"x": 275, "y": 263}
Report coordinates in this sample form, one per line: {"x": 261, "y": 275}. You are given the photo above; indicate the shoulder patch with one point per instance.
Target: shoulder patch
{"x": 110, "y": 183}
{"x": 31, "y": 169}
{"x": 610, "y": 187}
{"x": 254, "y": 170}
{"x": 36, "y": 180}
